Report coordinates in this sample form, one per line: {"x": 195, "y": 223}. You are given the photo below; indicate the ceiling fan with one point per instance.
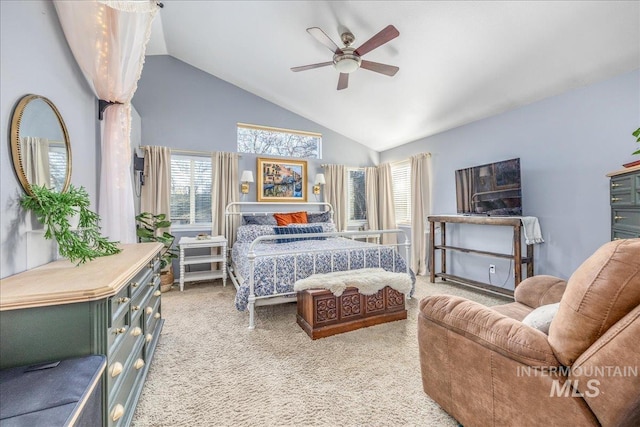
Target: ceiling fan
{"x": 347, "y": 59}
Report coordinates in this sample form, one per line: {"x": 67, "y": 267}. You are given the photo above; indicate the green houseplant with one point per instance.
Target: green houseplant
{"x": 637, "y": 135}
{"x": 148, "y": 230}
{"x": 55, "y": 209}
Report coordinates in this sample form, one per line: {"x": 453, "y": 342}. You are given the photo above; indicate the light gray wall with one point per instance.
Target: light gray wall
{"x": 183, "y": 107}
{"x": 35, "y": 58}
{"x": 566, "y": 144}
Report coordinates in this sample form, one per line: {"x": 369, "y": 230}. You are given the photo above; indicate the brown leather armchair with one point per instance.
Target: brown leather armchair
{"x": 487, "y": 368}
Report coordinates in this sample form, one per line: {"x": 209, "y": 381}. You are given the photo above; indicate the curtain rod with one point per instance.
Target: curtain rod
{"x": 180, "y": 151}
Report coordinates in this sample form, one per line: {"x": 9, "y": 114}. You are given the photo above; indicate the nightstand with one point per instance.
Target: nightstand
{"x": 218, "y": 248}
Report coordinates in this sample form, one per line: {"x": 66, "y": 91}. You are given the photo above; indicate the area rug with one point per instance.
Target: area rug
{"x": 210, "y": 370}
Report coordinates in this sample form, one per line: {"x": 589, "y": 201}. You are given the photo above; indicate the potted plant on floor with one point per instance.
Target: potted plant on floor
{"x": 148, "y": 230}
{"x": 79, "y": 242}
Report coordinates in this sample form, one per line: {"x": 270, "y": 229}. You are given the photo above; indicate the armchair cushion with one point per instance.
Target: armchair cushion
{"x": 490, "y": 329}
{"x": 540, "y": 290}
{"x": 599, "y": 293}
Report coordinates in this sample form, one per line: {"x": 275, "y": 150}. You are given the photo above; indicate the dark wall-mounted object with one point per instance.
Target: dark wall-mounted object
{"x": 103, "y": 105}
{"x": 138, "y": 162}
{"x": 138, "y": 166}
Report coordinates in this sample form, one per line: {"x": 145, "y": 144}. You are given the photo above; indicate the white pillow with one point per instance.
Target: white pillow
{"x": 541, "y": 317}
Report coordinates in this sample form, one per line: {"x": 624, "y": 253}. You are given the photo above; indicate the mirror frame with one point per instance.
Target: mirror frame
{"x": 16, "y": 155}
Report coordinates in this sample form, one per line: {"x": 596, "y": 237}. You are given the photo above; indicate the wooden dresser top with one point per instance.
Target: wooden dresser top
{"x": 61, "y": 282}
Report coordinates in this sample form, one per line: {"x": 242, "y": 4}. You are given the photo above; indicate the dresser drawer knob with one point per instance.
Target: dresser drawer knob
{"x": 615, "y": 184}
{"x": 117, "y": 413}
{"x": 148, "y": 337}
{"x": 617, "y": 217}
{"x": 123, "y": 300}
{"x": 157, "y": 293}
{"x": 151, "y": 264}
{"x": 138, "y": 364}
{"x": 120, "y": 331}
{"x": 137, "y": 331}
{"x": 615, "y": 199}
{"x": 135, "y": 284}
{"x": 157, "y": 315}
{"x": 148, "y": 310}
{"x": 116, "y": 369}
{"x": 135, "y": 308}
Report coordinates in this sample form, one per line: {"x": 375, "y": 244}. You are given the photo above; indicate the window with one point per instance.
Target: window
{"x": 401, "y": 177}
{"x": 356, "y": 195}
{"x": 190, "y": 189}
{"x": 278, "y": 142}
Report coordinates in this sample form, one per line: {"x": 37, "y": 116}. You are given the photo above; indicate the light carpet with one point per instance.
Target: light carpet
{"x": 210, "y": 370}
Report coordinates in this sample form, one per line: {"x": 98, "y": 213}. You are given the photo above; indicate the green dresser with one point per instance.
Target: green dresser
{"x": 109, "y": 306}
{"x": 625, "y": 203}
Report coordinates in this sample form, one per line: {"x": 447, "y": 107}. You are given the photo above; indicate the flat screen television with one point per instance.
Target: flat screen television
{"x": 492, "y": 189}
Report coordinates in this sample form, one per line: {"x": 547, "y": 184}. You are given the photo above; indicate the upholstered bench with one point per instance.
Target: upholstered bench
{"x": 322, "y": 314}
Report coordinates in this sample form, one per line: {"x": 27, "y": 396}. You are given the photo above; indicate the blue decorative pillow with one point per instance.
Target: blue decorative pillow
{"x": 318, "y": 217}
{"x": 298, "y": 230}
{"x": 258, "y": 220}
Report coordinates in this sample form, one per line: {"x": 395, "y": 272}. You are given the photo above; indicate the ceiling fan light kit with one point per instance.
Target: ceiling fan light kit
{"x": 347, "y": 59}
{"x": 346, "y": 62}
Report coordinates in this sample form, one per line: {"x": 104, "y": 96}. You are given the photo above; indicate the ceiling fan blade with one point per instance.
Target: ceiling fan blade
{"x": 343, "y": 81}
{"x": 388, "y": 33}
{"x": 312, "y": 66}
{"x": 388, "y": 70}
{"x": 323, "y": 38}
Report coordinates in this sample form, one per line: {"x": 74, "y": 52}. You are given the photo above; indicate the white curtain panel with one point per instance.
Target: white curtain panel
{"x": 108, "y": 40}
{"x": 420, "y": 208}
{"x": 35, "y": 160}
{"x": 386, "y": 205}
{"x": 371, "y": 196}
{"x": 155, "y": 196}
{"x": 335, "y": 191}
{"x": 224, "y": 190}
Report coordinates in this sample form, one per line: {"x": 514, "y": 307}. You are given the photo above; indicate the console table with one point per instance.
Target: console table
{"x": 109, "y": 306}
{"x": 517, "y": 257}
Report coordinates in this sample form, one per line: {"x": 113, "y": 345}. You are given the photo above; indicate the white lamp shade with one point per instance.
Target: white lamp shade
{"x": 320, "y": 179}
{"x": 247, "y": 176}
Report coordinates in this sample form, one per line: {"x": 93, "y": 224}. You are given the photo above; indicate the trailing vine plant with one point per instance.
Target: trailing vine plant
{"x": 53, "y": 209}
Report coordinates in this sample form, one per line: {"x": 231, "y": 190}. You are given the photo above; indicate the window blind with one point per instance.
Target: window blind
{"x": 401, "y": 177}
{"x": 190, "y": 189}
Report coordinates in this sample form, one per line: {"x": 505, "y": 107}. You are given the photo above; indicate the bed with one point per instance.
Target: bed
{"x": 264, "y": 266}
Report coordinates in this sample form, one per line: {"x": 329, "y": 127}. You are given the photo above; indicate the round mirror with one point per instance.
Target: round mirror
{"x": 40, "y": 145}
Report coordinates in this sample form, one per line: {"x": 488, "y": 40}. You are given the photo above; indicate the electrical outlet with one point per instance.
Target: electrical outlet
{"x": 492, "y": 269}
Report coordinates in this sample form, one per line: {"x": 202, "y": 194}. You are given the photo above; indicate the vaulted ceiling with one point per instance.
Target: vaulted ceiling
{"x": 459, "y": 61}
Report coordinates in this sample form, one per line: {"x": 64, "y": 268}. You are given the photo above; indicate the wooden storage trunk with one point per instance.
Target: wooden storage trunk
{"x": 322, "y": 314}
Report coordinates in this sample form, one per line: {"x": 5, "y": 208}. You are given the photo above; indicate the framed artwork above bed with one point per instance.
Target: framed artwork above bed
{"x": 282, "y": 180}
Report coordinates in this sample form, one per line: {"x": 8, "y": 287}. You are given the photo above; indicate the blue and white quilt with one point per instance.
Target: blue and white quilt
{"x": 344, "y": 254}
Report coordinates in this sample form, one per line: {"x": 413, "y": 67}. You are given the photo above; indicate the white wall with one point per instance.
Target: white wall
{"x": 566, "y": 144}
{"x": 35, "y": 58}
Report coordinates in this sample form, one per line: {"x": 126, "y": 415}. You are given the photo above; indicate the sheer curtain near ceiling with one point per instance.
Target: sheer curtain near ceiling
{"x": 224, "y": 190}
{"x": 420, "y": 208}
{"x": 386, "y": 206}
{"x": 156, "y": 191}
{"x": 335, "y": 192}
{"x": 108, "y": 40}
{"x": 371, "y": 196}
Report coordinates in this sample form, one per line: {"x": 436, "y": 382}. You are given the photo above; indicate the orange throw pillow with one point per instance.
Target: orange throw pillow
{"x": 284, "y": 219}
{"x": 299, "y": 218}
